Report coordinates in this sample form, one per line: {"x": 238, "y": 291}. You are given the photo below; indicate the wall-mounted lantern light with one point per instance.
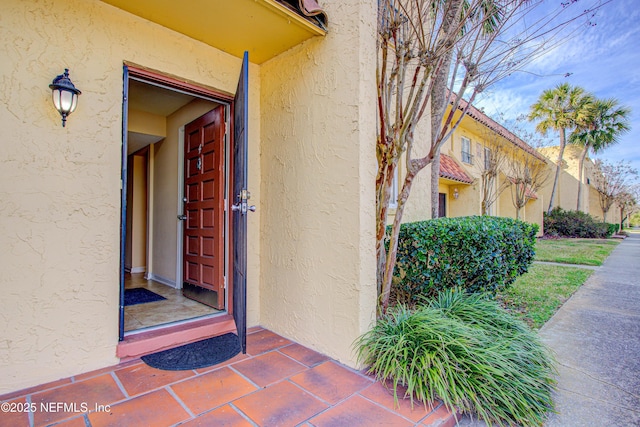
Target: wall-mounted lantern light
{"x": 65, "y": 95}
{"x": 455, "y": 193}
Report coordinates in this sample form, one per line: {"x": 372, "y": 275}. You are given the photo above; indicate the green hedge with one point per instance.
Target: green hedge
{"x": 576, "y": 224}
{"x": 477, "y": 254}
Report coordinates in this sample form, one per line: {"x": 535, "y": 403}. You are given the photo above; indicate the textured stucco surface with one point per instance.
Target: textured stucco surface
{"x": 470, "y": 200}
{"x": 318, "y": 162}
{"x": 567, "y": 191}
{"x": 60, "y": 187}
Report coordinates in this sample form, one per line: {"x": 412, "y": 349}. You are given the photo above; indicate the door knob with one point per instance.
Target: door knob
{"x": 182, "y": 217}
{"x": 242, "y": 207}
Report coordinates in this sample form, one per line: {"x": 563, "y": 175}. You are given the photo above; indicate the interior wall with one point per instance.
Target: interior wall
{"x": 139, "y": 214}
{"x": 128, "y": 246}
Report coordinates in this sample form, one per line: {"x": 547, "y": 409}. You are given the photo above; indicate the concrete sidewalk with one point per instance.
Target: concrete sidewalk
{"x": 596, "y": 338}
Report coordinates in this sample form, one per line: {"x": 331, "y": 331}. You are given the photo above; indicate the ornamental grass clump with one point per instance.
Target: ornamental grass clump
{"x": 467, "y": 351}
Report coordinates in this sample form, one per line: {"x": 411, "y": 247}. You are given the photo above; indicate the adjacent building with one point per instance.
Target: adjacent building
{"x": 479, "y": 169}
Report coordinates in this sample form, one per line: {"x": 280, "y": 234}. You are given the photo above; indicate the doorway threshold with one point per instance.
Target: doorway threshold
{"x": 149, "y": 341}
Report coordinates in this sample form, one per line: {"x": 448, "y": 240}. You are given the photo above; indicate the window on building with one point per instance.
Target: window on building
{"x": 487, "y": 159}
{"x": 467, "y": 157}
{"x": 393, "y": 203}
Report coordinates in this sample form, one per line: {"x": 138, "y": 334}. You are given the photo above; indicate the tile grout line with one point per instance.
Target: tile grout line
{"x": 299, "y": 361}
{"x": 398, "y": 413}
{"x": 175, "y": 396}
{"x": 119, "y": 384}
{"x": 315, "y": 395}
{"x": 34, "y": 392}
{"x": 247, "y": 379}
{"x": 328, "y": 408}
{"x": 242, "y": 414}
{"x": 30, "y": 415}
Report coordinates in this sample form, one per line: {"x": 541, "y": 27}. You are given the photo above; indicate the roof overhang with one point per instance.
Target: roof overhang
{"x": 452, "y": 172}
{"x": 265, "y": 28}
{"x": 486, "y": 122}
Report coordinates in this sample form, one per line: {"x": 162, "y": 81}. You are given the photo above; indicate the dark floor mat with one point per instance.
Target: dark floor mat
{"x": 140, "y": 296}
{"x": 199, "y": 354}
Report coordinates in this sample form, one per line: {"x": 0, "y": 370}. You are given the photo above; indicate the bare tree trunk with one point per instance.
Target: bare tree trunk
{"x": 558, "y": 169}
{"x": 439, "y": 100}
{"x": 583, "y": 156}
{"x": 385, "y": 178}
{"x": 393, "y": 246}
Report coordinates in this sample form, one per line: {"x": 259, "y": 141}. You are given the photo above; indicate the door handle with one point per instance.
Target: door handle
{"x": 182, "y": 217}
{"x": 242, "y": 207}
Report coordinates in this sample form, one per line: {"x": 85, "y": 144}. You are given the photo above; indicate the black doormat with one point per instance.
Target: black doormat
{"x": 140, "y": 296}
{"x": 199, "y": 354}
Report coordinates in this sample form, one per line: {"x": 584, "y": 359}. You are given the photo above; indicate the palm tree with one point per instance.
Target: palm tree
{"x": 600, "y": 129}
{"x": 560, "y": 109}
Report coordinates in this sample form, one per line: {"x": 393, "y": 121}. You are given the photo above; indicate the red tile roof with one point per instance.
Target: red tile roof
{"x": 487, "y": 121}
{"x": 451, "y": 170}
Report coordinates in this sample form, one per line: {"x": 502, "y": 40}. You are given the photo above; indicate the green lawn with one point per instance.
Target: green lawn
{"x": 536, "y": 295}
{"x": 575, "y": 251}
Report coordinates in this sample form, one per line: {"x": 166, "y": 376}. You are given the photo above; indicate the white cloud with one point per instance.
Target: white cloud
{"x": 604, "y": 60}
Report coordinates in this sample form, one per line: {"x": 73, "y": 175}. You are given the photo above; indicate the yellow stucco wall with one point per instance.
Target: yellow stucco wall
{"x": 535, "y": 209}
{"x": 318, "y": 204}
{"x": 505, "y": 204}
{"x": 469, "y": 201}
{"x": 567, "y": 191}
{"x": 60, "y": 187}
{"x": 595, "y": 208}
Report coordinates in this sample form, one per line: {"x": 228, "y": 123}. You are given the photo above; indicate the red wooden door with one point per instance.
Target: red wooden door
{"x": 204, "y": 209}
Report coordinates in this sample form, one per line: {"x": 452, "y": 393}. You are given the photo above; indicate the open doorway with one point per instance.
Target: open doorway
{"x": 175, "y": 225}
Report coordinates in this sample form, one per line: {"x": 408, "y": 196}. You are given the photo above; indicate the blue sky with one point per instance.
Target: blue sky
{"x": 603, "y": 59}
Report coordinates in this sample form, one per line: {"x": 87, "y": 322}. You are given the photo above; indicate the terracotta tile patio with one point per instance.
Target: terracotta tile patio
{"x": 277, "y": 383}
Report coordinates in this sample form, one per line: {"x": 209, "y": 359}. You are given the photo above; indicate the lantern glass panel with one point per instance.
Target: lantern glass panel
{"x": 66, "y": 101}
{"x": 55, "y": 94}
{"x": 74, "y": 103}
